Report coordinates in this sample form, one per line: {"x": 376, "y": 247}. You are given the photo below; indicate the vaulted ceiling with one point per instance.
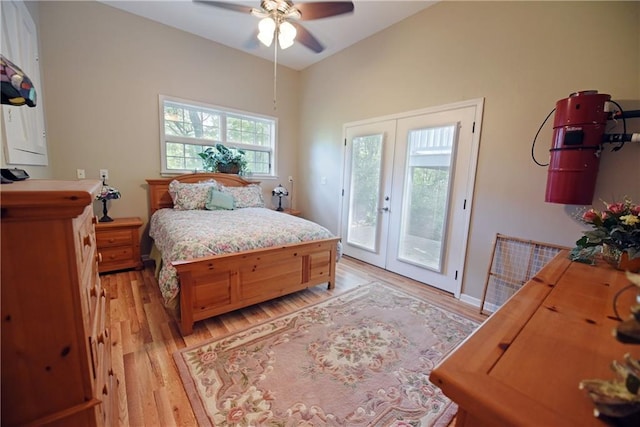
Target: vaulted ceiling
{"x": 238, "y": 30}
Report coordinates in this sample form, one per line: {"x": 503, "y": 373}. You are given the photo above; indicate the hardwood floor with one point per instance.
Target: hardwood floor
{"x": 145, "y": 336}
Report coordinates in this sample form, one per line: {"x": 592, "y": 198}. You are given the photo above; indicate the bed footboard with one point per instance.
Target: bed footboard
{"x": 219, "y": 284}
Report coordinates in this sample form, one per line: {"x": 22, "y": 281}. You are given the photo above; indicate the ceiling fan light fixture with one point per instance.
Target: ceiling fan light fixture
{"x": 267, "y": 28}
{"x": 286, "y": 35}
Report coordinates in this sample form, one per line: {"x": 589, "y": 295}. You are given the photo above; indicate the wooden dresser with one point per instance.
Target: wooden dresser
{"x": 56, "y": 363}
{"x": 523, "y": 365}
{"x": 119, "y": 244}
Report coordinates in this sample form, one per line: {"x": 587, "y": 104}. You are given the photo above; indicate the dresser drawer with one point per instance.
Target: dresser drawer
{"x": 85, "y": 237}
{"x": 98, "y": 340}
{"x": 116, "y": 254}
{"x": 115, "y": 238}
{"x": 91, "y": 299}
{"x": 107, "y": 411}
{"x": 105, "y": 386}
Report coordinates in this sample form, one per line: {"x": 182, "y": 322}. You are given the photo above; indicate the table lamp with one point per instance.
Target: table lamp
{"x": 107, "y": 193}
{"x": 281, "y": 192}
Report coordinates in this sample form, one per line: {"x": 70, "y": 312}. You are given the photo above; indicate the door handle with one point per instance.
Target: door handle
{"x": 385, "y": 209}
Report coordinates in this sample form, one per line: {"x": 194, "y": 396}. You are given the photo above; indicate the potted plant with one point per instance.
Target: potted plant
{"x": 224, "y": 160}
{"x": 615, "y": 235}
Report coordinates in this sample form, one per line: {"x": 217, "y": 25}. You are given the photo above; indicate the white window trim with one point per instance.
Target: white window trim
{"x": 163, "y": 138}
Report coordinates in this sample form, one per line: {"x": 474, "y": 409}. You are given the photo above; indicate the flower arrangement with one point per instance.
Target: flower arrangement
{"x": 616, "y": 227}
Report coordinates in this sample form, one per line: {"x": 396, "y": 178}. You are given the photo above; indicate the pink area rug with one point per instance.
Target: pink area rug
{"x": 361, "y": 358}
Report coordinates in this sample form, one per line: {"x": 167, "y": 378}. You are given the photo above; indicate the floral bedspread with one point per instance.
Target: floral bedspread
{"x": 183, "y": 235}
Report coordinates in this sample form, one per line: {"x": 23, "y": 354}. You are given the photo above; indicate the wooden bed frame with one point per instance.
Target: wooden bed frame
{"x": 218, "y": 284}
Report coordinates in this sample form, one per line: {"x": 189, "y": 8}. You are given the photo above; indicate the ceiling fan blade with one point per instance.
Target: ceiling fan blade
{"x": 252, "y": 42}
{"x": 224, "y": 5}
{"x": 304, "y": 37}
{"x": 323, "y": 9}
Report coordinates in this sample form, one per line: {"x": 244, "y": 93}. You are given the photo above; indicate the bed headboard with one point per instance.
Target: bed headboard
{"x": 159, "y": 196}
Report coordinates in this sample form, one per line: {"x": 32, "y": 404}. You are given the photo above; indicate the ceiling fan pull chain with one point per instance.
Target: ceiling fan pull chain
{"x": 275, "y": 69}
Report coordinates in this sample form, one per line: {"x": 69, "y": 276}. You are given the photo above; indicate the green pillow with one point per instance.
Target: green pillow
{"x": 218, "y": 200}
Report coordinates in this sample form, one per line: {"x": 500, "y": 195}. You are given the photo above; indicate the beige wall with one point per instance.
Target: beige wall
{"x": 521, "y": 57}
{"x": 103, "y": 70}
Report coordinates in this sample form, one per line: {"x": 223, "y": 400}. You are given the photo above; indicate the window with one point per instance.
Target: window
{"x": 188, "y": 128}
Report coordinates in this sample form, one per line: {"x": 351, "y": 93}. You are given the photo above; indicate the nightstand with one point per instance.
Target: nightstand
{"x": 118, "y": 244}
{"x": 293, "y": 212}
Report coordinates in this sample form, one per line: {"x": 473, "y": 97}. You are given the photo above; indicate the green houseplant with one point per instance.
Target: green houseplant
{"x": 224, "y": 160}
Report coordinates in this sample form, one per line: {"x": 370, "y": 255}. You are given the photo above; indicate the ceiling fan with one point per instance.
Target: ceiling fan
{"x": 279, "y": 19}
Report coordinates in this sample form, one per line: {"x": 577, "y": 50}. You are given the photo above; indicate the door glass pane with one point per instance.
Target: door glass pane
{"x": 424, "y": 206}
{"x": 366, "y": 161}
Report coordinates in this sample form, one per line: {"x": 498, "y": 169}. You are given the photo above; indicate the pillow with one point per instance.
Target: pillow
{"x": 246, "y": 197}
{"x": 218, "y": 200}
{"x": 188, "y": 196}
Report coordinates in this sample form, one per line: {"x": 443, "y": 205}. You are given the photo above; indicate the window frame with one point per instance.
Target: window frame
{"x": 225, "y": 112}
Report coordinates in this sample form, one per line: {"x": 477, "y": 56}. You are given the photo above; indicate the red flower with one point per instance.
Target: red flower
{"x": 591, "y": 216}
{"x": 616, "y": 208}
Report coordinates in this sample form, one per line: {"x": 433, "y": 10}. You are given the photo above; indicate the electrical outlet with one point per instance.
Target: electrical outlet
{"x": 104, "y": 173}
{"x": 80, "y": 174}
{"x": 323, "y": 180}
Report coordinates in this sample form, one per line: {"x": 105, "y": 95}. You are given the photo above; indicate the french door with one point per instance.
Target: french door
{"x": 408, "y": 182}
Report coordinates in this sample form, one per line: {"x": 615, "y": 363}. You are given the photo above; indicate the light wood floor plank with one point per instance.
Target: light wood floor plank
{"x": 145, "y": 336}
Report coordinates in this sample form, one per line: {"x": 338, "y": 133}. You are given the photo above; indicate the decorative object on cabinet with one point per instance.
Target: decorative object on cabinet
{"x": 56, "y": 345}
{"x": 279, "y": 192}
{"x": 615, "y": 231}
{"x": 629, "y": 330}
{"x": 620, "y": 259}
{"x": 618, "y": 400}
{"x": 119, "y": 244}
{"x": 513, "y": 262}
{"x": 14, "y": 174}
{"x": 107, "y": 193}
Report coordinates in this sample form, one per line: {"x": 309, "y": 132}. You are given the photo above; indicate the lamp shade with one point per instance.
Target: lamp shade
{"x": 267, "y": 28}
{"x": 286, "y": 35}
{"x": 280, "y": 191}
{"x": 108, "y": 193}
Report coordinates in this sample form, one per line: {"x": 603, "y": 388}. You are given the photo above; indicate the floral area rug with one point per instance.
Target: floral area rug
{"x": 362, "y": 358}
